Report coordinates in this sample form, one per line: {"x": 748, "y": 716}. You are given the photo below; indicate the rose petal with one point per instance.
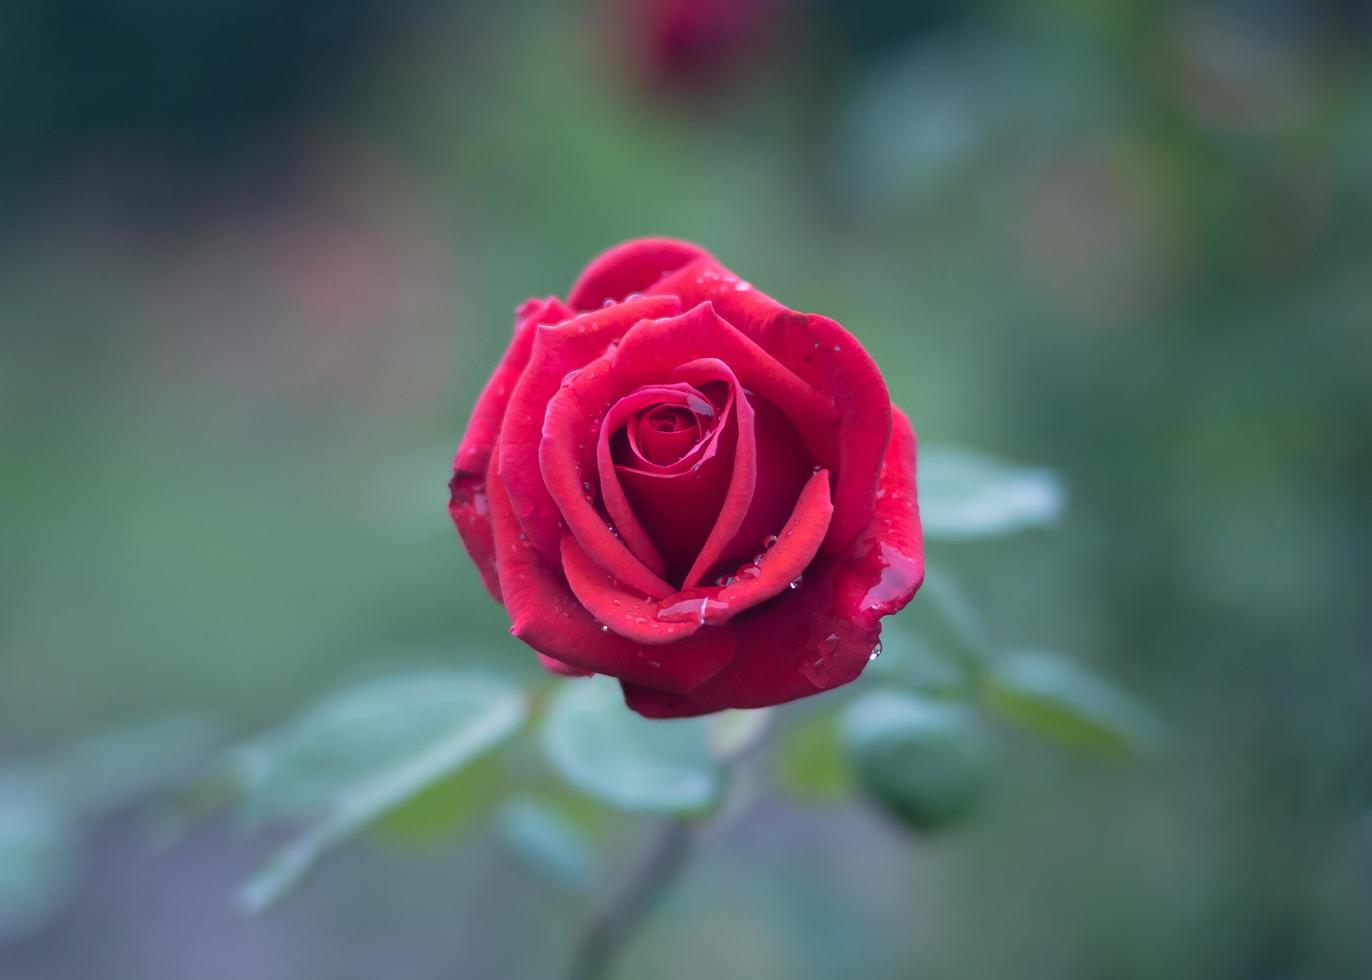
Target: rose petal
{"x": 782, "y": 466}
{"x": 652, "y": 348}
{"x": 612, "y": 492}
{"x": 467, "y": 503}
{"x": 625, "y": 612}
{"x": 557, "y": 350}
{"x": 820, "y": 635}
{"x": 628, "y": 268}
{"x": 661, "y": 438}
{"x": 785, "y": 561}
{"x": 568, "y": 468}
{"x": 548, "y": 617}
{"x": 827, "y": 357}
{"x": 684, "y": 613}
{"x": 556, "y": 666}
{"x": 830, "y": 358}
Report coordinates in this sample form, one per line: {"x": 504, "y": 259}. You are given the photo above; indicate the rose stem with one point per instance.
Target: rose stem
{"x": 616, "y": 923}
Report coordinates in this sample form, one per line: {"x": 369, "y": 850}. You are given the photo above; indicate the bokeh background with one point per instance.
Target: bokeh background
{"x": 257, "y": 257}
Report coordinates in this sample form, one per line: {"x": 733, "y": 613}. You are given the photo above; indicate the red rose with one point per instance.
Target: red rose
{"x": 689, "y": 42}
{"x": 675, "y": 480}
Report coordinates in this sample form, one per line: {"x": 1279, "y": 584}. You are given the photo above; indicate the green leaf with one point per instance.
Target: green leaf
{"x": 810, "y": 761}
{"x": 1053, "y": 696}
{"x": 450, "y": 805}
{"x": 120, "y": 766}
{"x": 922, "y": 761}
{"x": 964, "y": 493}
{"x": 362, "y": 753}
{"x": 37, "y": 854}
{"x": 546, "y": 843}
{"x": 603, "y": 748}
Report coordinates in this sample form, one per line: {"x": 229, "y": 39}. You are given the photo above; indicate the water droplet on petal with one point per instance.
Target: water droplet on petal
{"x": 795, "y": 582}
{"x": 770, "y": 540}
{"x": 696, "y": 609}
{"x": 700, "y": 406}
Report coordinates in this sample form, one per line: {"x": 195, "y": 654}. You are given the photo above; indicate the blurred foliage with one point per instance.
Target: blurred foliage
{"x": 257, "y": 263}
{"x": 921, "y": 760}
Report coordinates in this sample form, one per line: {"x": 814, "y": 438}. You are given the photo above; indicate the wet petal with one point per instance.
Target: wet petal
{"x": 613, "y": 495}
{"x": 623, "y": 610}
{"x": 548, "y": 617}
{"x": 827, "y": 357}
{"x": 553, "y": 665}
{"x": 655, "y": 347}
{"x": 820, "y": 635}
{"x": 567, "y": 461}
{"x": 632, "y": 267}
{"x": 557, "y": 350}
{"x": 467, "y": 503}
{"x": 830, "y": 358}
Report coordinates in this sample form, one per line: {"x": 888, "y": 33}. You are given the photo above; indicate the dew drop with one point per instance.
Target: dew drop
{"x": 876, "y": 652}
{"x": 570, "y": 376}
{"x": 838, "y": 349}
{"x": 795, "y": 582}
{"x": 771, "y": 540}
{"x": 608, "y": 303}
{"x": 699, "y": 610}
{"x": 700, "y": 406}
{"x": 604, "y": 628}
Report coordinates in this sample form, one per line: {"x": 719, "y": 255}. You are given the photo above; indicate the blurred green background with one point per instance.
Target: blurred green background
{"x": 256, "y": 259}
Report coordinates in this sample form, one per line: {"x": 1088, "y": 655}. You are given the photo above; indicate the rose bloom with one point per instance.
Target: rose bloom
{"x": 677, "y": 481}
{"x": 687, "y": 43}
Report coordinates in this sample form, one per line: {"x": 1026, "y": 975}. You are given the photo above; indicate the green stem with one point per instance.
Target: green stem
{"x": 615, "y": 925}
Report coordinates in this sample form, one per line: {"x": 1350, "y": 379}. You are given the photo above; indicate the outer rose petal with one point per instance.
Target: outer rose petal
{"x": 630, "y": 268}
{"x": 557, "y": 350}
{"x": 467, "y": 504}
{"x": 821, "y": 635}
{"x": 556, "y": 666}
{"x": 549, "y": 618}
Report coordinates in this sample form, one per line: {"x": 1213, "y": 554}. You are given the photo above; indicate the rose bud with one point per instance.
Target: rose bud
{"x": 691, "y": 43}
{"x": 677, "y": 481}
